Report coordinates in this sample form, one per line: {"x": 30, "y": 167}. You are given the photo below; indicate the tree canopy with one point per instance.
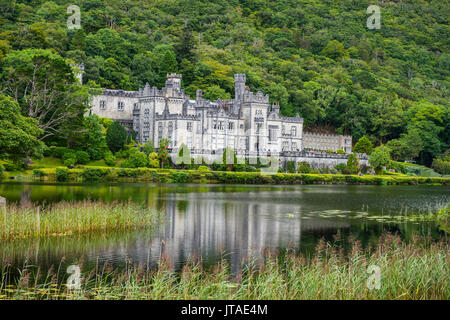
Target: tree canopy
{"x": 19, "y": 135}
{"x": 116, "y": 136}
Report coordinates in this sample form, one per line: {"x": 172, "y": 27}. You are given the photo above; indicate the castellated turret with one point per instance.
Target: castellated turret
{"x": 239, "y": 85}
{"x": 174, "y": 81}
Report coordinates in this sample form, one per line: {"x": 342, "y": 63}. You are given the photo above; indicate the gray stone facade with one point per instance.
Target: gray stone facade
{"x": 324, "y": 142}
{"x": 249, "y": 123}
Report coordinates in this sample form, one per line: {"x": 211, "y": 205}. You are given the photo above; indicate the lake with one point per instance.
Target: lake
{"x": 232, "y": 222}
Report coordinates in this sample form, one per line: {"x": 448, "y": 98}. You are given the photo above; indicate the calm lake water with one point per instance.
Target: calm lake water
{"x": 235, "y": 222}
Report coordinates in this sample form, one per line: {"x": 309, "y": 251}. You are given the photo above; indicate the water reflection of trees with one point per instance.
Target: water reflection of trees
{"x": 235, "y": 222}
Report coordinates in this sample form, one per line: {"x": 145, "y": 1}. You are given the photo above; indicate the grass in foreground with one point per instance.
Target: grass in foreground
{"x": 414, "y": 270}
{"x": 71, "y": 218}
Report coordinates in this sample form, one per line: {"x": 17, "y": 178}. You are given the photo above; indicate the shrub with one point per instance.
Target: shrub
{"x": 364, "y": 145}
{"x": 1, "y": 170}
{"x": 340, "y": 167}
{"x": 69, "y": 162}
{"x": 136, "y": 159}
{"x": 106, "y": 122}
{"x": 347, "y": 170}
{"x": 69, "y": 154}
{"x": 324, "y": 170}
{"x": 218, "y": 167}
{"x": 352, "y": 164}
{"x": 47, "y": 152}
{"x": 96, "y": 152}
{"x": 39, "y": 173}
{"x": 245, "y": 168}
{"x": 203, "y": 168}
{"x": 303, "y": 167}
{"x": 62, "y": 174}
{"x": 290, "y": 166}
{"x": 379, "y": 158}
{"x": 94, "y": 174}
{"x": 364, "y": 169}
{"x": 179, "y": 177}
{"x": 58, "y": 152}
{"x": 128, "y": 172}
{"x": 10, "y": 166}
{"x": 148, "y": 147}
{"x": 82, "y": 157}
{"x": 112, "y": 175}
{"x": 110, "y": 159}
{"x": 441, "y": 165}
{"x": 153, "y": 160}
{"x": 116, "y": 136}
{"x": 340, "y": 151}
{"x": 229, "y": 159}
{"x": 163, "y": 154}
{"x": 121, "y": 154}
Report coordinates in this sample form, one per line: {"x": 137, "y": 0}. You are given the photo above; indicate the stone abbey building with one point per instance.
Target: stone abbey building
{"x": 249, "y": 123}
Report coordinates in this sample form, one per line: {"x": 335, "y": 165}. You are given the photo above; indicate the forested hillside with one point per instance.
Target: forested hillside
{"x": 317, "y": 58}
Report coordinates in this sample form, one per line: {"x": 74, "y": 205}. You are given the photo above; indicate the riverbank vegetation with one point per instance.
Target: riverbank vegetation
{"x": 205, "y": 175}
{"x": 73, "y": 218}
{"x": 147, "y": 164}
{"x": 415, "y": 270}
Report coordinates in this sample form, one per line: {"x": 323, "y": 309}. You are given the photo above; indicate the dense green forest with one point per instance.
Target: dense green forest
{"x": 317, "y": 58}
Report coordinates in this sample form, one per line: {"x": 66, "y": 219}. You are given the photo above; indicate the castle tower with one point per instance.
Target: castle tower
{"x": 174, "y": 81}
{"x": 239, "y": 86}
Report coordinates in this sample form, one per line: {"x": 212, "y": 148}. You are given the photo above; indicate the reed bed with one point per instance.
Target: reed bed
{"x": 414, "y": 270}
{"x": 73, "y": 218}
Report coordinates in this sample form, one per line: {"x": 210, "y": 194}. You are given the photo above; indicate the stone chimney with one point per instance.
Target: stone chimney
{"x": 276, "y": 107}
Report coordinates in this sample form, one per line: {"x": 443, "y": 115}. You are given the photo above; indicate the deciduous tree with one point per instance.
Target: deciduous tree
{"x": 19, "y": 135}
{"x": 45, "y": 87}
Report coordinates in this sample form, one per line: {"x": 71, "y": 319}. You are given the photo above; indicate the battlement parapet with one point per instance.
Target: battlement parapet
{"x": 259, "y": 97}
{"x": 120, "y": 93}
{"x": 177, "y": 117}
{"x": 296, "y": 119}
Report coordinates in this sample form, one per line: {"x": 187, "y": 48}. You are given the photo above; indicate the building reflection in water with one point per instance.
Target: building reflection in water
{"x": 208, "y": 228}
{"x": 211, "y": 222}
